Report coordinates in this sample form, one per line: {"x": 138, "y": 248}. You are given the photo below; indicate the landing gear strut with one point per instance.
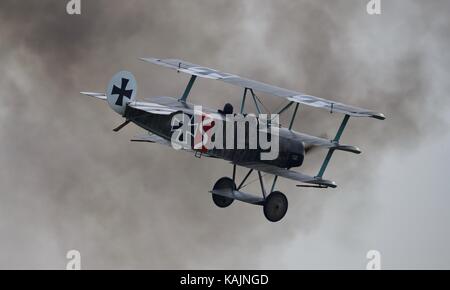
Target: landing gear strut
{"x": 274, "y": 205}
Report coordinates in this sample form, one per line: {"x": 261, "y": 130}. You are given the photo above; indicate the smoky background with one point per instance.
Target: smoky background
{"x": 69, "y": 182}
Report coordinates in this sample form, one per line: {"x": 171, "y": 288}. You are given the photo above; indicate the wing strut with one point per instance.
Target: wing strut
{"x": 243, "y": 100}
{"x": 188, "y": 89}
{"x": 245, "y": 179}
{"x": 255, "y": 100}
{"x": 261, "y": 182}
{"x": 285, "y": 108}
{"x": 331, "y": 150}
{"x": 293, "y": 116}
{"x": 290, "y": 127}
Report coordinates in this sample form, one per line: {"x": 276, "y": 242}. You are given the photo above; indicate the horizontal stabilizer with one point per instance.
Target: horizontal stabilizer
{"x": 95, "y": 95}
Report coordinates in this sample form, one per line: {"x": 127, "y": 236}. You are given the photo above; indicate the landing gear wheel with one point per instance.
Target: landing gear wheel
{"x": 225, "y": 184}
{"x": 275, "y": 206}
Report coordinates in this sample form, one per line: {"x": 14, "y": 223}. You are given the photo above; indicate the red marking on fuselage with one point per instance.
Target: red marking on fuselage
{"x": 207, "y": 124}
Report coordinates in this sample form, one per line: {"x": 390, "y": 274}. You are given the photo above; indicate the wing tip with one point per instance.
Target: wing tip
{"x": 319, "y": 183}
{"x": 378, "y": 116}
{"x": 348, "y": 148}
{"x": 324, "y": 182}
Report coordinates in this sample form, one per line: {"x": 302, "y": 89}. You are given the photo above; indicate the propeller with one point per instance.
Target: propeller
{"x": 309, "y": 148}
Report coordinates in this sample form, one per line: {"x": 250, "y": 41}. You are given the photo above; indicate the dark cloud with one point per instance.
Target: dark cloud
{"x": 69, "y": 182}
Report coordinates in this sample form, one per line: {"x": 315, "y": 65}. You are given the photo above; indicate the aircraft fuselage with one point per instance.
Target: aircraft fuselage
{"x": 291, "y": 152}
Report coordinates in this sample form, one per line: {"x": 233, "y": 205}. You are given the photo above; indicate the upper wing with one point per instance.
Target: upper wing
{"x": 290, "y": 174}
{"x": 236, "y": 80}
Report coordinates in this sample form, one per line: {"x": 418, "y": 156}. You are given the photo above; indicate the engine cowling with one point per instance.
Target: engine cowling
{"x": 291, "y": 153}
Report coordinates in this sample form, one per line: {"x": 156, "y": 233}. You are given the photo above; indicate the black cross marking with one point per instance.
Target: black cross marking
{"x": 122, "y": 92}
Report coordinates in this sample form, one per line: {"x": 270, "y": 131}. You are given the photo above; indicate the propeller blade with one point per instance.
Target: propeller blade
{"x": 311, "y": 148}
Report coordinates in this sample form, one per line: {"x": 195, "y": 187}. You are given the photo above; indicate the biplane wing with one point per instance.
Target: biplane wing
{"x": 289, "y": 174}
{"x": 320, "y": 142}
{"x": 236, "y": 80}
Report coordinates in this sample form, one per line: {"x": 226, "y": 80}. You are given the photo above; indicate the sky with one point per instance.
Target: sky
{"x": 69, "y": 182}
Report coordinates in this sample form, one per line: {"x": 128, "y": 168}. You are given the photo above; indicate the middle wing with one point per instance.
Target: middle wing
{"x": 320, "y": 142}
{"x": 236, "y": 80}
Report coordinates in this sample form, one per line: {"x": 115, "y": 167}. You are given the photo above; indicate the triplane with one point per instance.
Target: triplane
{"x": 156, "y": 114}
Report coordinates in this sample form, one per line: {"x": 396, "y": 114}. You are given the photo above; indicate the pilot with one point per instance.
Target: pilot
{"x": 227, "y": 109}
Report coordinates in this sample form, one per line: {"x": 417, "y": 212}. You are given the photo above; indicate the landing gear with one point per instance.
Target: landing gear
{"x": 275, "y": 206}
{"x": 226, "y": 185}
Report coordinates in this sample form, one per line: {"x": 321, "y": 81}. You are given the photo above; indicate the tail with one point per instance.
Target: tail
{"x": 121, "y": 90}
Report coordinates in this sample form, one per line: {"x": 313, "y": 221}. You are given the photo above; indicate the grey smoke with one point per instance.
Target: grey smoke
{"x": 69, "y": 182}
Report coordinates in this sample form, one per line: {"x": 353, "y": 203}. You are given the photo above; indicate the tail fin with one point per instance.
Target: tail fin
{"x": 121, "y": 90}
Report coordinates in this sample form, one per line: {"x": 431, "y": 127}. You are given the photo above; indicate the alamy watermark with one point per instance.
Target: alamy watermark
{"x": 73, "y": 7}
{"x": 74, "y": 260}
{"x": 374, "y": 258}
{"x": 209, "y": 131}
{"x": 374, "y": 7}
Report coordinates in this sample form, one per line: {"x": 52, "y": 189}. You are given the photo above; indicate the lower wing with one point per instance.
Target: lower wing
{"x": 289, "y": 174}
